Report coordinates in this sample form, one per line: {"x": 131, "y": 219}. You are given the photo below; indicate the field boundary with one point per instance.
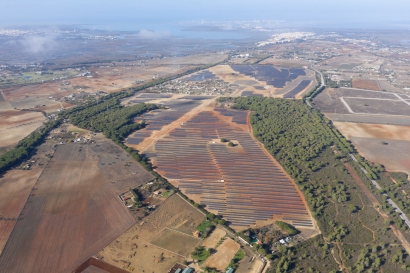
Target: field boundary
{"x": 162, "y": 230}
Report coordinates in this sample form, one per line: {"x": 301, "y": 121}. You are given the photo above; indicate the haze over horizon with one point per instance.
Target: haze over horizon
{"x": 130, "y": 15}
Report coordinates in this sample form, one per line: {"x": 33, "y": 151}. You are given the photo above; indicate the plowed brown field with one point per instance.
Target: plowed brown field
{"x": 366, "y": 84}
{"x": 74, "y": 210}
{"x": 15, "y": 188}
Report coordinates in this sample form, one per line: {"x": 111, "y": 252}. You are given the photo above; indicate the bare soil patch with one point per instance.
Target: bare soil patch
{"x": 223, "y": 255}
{"x": 394, "y": 154}
{"x": 373, "y": 130}
{"x": 74, "y": 210}
{"x": 212, "y": 240}
{"x": 366, "y": 84}
{"x": 16, "y": 125}
{"x": 15, "y": 187}
{"x": 176, "y": 242}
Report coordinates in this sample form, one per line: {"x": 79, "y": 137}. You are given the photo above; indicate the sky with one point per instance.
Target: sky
{"x": 117, "y": 14}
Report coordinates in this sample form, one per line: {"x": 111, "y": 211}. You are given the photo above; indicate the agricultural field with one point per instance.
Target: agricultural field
{"x": 370, "y": 118}
{"x": 15, "y": 188}
{"x": 366, "y": 84}
{"x": 373, "y": 130}
{"x": 194, "y": 59}
{"x": 361, "y": 105}
{"x": 73, "y": 210}
{"x": 9, "y": 78}
{"x": 154, "y": 242}
{"x": 224, "y": 253}
{"x": 176, "y": 242}
{"x": 392, "y": 154}
{"x": 212, "y": 240}
{"x": 102, "y": 78}
{"x": 15, "y": 125}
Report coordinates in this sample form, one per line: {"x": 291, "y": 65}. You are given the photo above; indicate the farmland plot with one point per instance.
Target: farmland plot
{"x": 74, "y": 210}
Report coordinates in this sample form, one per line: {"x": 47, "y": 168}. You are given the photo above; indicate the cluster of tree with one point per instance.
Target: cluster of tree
{"x": 290, "y": 130}
{"x": 116, "y": 122}
{"x": 368, "y": 259}
{"x": 26, "y": 146}
{"x": 286, "y": 227}
{"x": 314, "y": 92}
{"x": 200, "y": 254}
{"x": 338, "y": 193}
{"x": 338, "y": 233}
{"x": 216, "y": 219}
{"x": 137, "y": 197}
{"x": 205, "y": 228}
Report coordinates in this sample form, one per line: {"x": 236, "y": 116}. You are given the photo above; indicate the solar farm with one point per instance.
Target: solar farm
{"x": 271, "y": 75}
{"x": 241, "y": 183}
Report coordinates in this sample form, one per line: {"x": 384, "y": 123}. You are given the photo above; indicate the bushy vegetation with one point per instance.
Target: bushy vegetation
{"x": 205, "y": 228}
{"x": 313, "y": 255}
{"x": 286, "y": 227}
{"x": 317, "y": 157}
{"x": 200, "y": 254}
{"x": 115, "y": 121}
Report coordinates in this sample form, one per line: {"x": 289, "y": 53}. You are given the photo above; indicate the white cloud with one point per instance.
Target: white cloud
{"x": 39, "y": 44}
{"x": 147, "y": 34}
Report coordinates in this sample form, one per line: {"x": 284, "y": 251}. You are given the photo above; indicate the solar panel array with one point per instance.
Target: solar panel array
{"x": 241, "y": 183}
{"x": 302, "y": 85}
{"x": 158, "y": 118}
{"x": 250, "y": 94}
{"x": 201, "y": 76}
{"x": 272, "y": 76}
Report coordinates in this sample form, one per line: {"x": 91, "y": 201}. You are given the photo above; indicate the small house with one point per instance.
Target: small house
{"x": 157, "y": 192}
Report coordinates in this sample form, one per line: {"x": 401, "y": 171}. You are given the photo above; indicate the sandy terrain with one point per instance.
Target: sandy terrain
{"x": 395, "y": 155}
{"x": 373, "y": 130}
{"x": 74, "y": 210}
{"x": 223, "y": 255}
{"x": 133, "y": 251}
{"x": 368, "y": 138}
{"x": 15, "y": 125}
{"x": 212, "y": 240}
